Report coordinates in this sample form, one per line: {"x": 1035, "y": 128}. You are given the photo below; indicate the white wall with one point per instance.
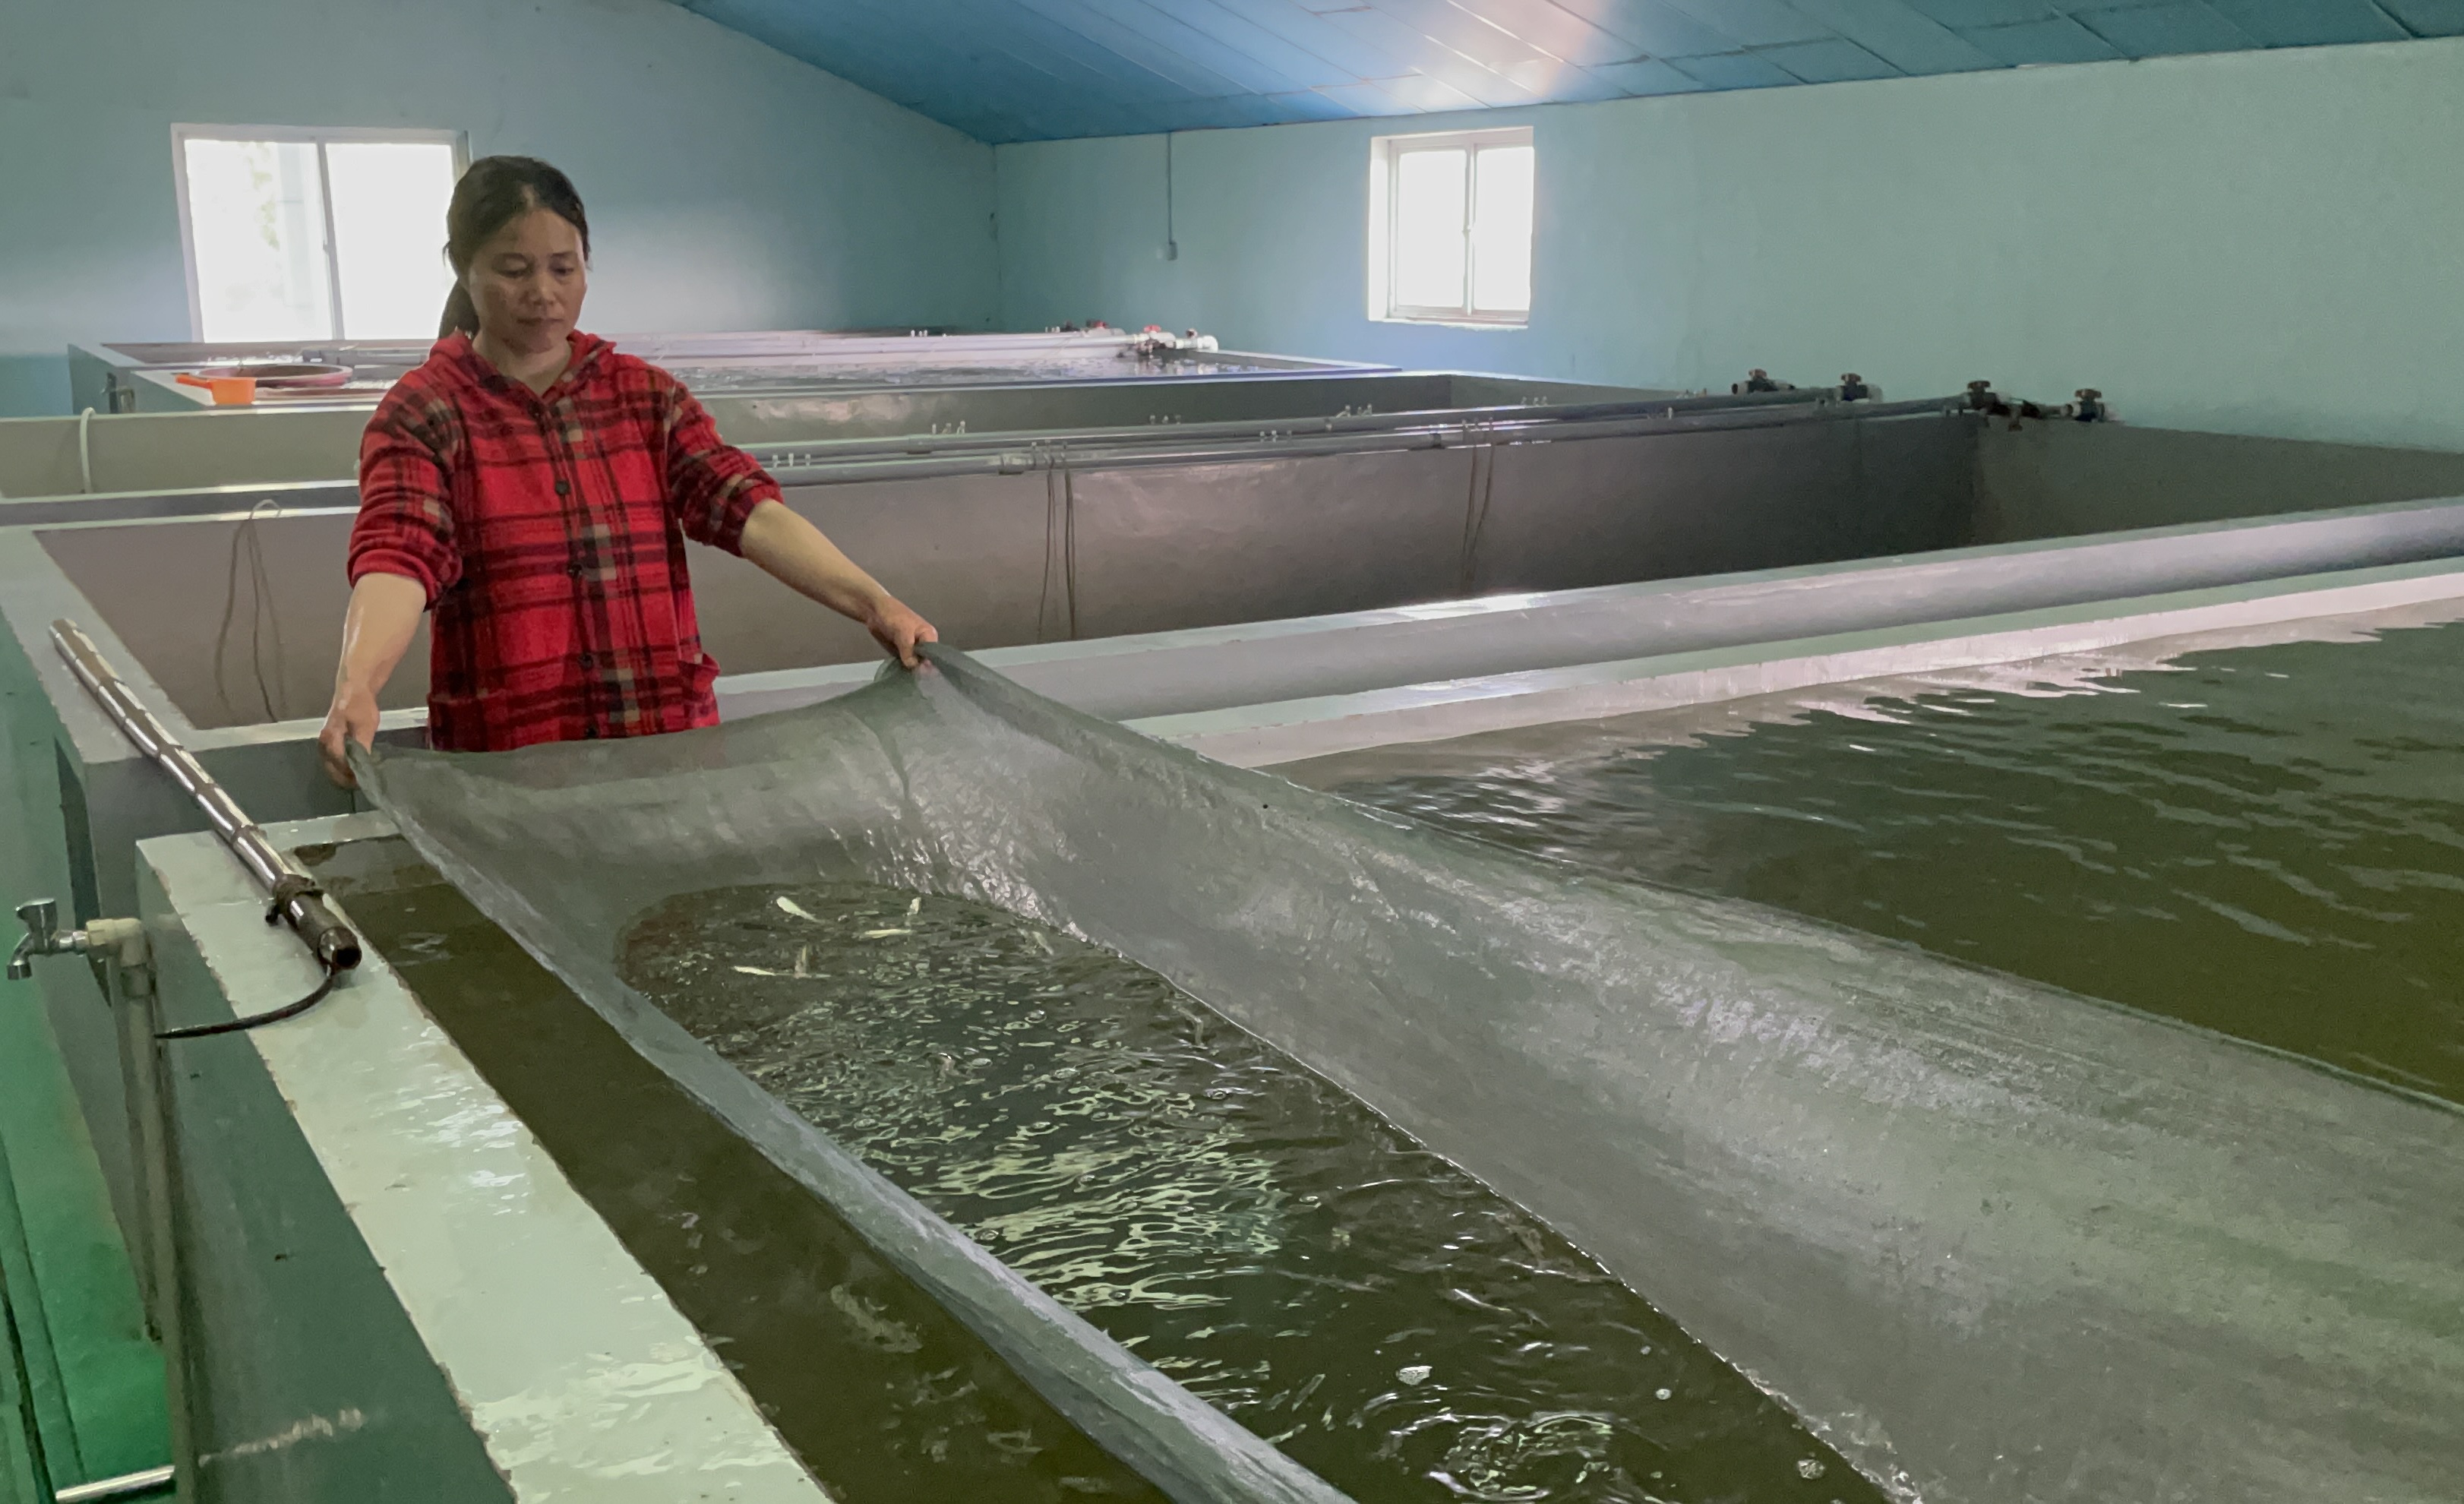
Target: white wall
{"x": 2258, "y": 242}
{"x": 729, "y": 186}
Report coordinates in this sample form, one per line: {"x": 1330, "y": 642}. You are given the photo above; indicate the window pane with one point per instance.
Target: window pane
{"x": 259, "y": 223}
{"x": 1501, "y": 233}
{"x": 1429, "y": 229}
{"x": 389, "y": 201}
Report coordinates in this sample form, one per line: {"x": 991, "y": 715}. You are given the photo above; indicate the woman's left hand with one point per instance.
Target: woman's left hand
{"x": 898, "y": 630}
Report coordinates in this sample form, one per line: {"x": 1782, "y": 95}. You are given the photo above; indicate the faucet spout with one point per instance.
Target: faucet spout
{"x": 42, "y": 920}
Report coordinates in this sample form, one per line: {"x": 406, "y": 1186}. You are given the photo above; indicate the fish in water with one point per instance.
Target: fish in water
{"x": 788, "y": 905}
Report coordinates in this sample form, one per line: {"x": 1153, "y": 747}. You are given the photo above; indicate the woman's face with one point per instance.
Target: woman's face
{"x": 527, "y": 282}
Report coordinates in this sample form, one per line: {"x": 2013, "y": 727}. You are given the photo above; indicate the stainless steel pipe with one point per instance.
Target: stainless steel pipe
{"x": 128, "y": 1485}
{"x": 794, "y": 453}
{"x": 1021, "y": 458}
{"x": 295, "y": 897}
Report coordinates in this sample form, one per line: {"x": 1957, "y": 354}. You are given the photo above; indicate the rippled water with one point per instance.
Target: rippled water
{"x": 2267, "y": 841}
{"x": 1240, "y": 1222}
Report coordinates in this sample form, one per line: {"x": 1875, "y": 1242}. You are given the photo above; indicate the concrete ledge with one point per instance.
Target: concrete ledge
{"x": 580, "y": 1379}
{"x": 1290, "y": 731}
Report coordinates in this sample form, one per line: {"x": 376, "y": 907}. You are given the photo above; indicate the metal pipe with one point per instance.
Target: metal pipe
{"x": 791, "y": 454}
{"x": 1020, "y": 459}
{"x": 127, "y": 1486}
{"x": 298, "y": 902}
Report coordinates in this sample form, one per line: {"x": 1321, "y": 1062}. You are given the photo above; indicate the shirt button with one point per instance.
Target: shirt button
{"x": 563, "y": 489}
{"x": 589, "y": 660}
{"x": 590, "y": 732}
{"x": 574, "y": 568}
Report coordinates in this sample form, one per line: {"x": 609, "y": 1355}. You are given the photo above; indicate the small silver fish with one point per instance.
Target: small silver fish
{"x": 914, "y": 908}
{"x": 759, "y": 971}
{"x": 788, "y": 905}
{"x": 882, "y": 934}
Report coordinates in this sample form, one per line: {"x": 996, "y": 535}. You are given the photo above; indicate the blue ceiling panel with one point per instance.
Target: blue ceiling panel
{"x": 1650, "y": 76}
{"x": 1365, "y": 98}
{"x": 1312, "y": 34}
{"x": 1906, "y": 38}
{"x": 1149, "y": 27}
{"x": 1966, "y": 14}
{"x": 1654, "y": 29}
{"x": 2428, "y": 17}
{"x": 1835, "y": 61}
{"x": 2159, "y": 30}
{"x": 1269, "y": 45}
{"x": 1422, "y": 92}
{"x": 2312, "y": 23}
{"x": 1755, "y": 23}
{"x": 1733, "y": 71}
{"x": 2058, "y": 40}
{"x": 1038, "y": 70}
{"x": 1427, "y": 57}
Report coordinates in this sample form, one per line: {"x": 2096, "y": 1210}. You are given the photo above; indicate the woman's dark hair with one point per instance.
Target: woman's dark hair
{"x": 492, "y": 194}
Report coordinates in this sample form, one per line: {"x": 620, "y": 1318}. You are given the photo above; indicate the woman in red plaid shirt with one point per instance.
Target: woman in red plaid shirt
{"x": 532, "y": 488}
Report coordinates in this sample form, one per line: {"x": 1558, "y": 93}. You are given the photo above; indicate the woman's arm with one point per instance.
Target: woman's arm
{"x": 723, "y": 497}
{"x": 796, "y": 553}
{"x": 384, "y": 617}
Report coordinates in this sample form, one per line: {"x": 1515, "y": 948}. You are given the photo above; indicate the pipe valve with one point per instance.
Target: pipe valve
{"x": 44, "y": 936}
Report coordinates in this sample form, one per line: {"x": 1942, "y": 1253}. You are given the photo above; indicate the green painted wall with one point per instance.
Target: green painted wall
{"x": 729, "y": 186}
{"x": 2261, "y": 242}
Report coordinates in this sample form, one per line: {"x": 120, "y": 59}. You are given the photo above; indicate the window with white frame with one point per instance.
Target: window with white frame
{"x": 1450, "y": 227}
{"x": 315, "y": 234}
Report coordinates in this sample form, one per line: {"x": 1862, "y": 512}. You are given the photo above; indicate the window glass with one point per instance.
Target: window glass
{"x": 1450, "y": 231}
{"x": 1501, "y": 230}
{"x": 256, "y": 227}
{"x": 1429, "y": 246}
{"x": 389, "y": 201}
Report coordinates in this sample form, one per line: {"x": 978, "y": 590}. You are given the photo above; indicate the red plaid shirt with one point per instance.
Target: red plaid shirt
{"x": 548, "y": 531}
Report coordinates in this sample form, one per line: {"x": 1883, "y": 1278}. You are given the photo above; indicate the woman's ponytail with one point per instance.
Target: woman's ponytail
{"x": 461, "y": 315}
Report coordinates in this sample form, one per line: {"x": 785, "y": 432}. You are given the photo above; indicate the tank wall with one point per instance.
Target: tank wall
{"x": 995, "y": 560}
{"x": 1610, "y": 511}
{"x": 167, "y": 590}
{"x": 167, "y": 451}
{"x": 2059, "y": 479}
{"x": 800, "y": 417}
{"x": 306, "y": 1379}
{"x": 1476, "y": 390}
{"x": 182, "y": 450}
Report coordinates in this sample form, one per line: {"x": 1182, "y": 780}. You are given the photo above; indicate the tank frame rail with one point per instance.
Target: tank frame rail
{"x": 295, "y": 898}
{"x": 1273, "y": 444}
{"x": 800, "y": 453}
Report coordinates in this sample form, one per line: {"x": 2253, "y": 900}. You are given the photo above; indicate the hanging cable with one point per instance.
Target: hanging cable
{"x": 85, "y": 449}
{"x": 1171, "y": 241}
{"x": 234, "y": 1026}
{"x": 244, "y": 540}
{"x": 1051, "y": 537}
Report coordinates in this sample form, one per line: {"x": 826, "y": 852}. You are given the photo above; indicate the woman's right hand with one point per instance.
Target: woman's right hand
{"x": 352, "y": 720}
{"x": 376, "y": 632}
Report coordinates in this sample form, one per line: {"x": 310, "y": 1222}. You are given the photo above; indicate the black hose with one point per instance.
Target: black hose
{"x": 234, "y": 1026}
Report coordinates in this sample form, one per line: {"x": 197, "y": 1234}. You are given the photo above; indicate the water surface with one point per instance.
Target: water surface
{"x": 1240, "y": 1222}
{"x": 2267, "y": 841}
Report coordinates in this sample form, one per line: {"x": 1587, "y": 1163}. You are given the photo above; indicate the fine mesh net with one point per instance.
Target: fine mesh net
{"x": 1990, "y": 1240}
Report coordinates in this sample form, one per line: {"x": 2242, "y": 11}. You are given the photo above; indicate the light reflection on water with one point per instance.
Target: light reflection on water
{"x": 2266, "y": 841}
{"x": 1240, "y": 1222}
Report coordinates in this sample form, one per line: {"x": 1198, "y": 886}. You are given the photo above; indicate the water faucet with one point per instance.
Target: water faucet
{"x": 44, "y": 936}
{"x": 42, "y": 920}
